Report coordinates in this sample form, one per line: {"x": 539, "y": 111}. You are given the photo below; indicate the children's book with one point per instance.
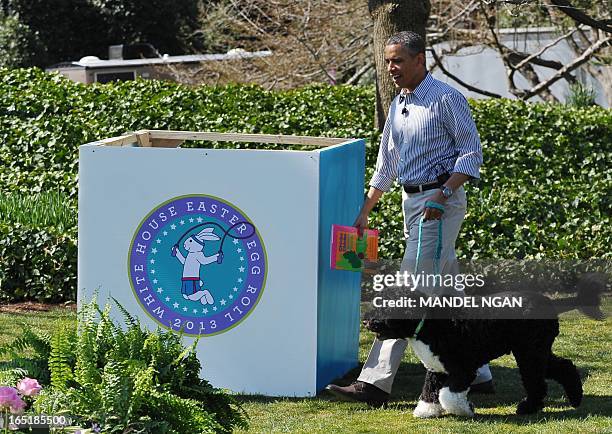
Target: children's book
{"x": 349, "y": 251}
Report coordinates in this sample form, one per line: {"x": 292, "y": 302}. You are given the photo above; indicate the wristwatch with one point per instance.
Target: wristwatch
{"x": 447, "y": 192}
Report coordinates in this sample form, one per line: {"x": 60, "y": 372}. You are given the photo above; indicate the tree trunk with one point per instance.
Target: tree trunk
{"x": 390, "y": 17}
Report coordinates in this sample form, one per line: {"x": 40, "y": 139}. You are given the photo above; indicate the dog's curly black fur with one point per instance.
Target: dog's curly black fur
{"x": 463, "y": 345}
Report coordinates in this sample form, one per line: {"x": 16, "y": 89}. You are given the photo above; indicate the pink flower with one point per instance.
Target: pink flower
{"x": 29, "y": 387}
{"x": 8, "y": 395}
{"x": 17, "y": 406}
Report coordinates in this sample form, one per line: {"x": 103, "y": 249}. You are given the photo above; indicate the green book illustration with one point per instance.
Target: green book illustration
{"x": 349, "y": 251}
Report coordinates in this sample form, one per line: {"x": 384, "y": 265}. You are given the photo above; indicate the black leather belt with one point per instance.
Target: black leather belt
{"x": 424, "y": 187}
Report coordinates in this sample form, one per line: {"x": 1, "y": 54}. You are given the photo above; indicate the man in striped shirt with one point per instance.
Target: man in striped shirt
{"x": 431, "y": 146}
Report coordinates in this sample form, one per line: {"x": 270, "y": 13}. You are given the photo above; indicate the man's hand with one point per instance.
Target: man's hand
{"x": 432, "y": 213}
{"x": 361, "y": 223}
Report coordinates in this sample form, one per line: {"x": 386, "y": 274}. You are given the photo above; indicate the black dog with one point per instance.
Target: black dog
{"x": 453, "y": 349}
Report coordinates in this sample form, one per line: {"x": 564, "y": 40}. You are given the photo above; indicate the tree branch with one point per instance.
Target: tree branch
{"x": 457, "y": 79}
{"x": 451, "y": 22}
{"x": 360, "y": 73}
{"x": 566, "y": 7}
{"x": 518, "y": 58}
{"x": 588, "y": 53}
{"x": 534, "y": 58}
{"x": 546, "y": 47}
{"x": 315, "y": 57}
{"x": 501, "y": 49}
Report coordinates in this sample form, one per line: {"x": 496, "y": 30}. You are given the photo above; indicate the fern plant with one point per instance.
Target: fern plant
{"x": 132, "y": 380}
{"x": 26, "y": 356}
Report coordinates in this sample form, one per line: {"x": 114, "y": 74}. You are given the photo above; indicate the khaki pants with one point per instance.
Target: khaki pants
{"x": 385, "y": 356}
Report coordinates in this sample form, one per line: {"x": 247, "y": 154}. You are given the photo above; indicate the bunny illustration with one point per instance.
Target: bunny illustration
{"x": 192, "y": 286}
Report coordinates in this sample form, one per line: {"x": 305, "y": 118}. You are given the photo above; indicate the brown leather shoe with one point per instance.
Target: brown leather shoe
{"x": 360, "y": 392}
{"x": 485, "y": 388}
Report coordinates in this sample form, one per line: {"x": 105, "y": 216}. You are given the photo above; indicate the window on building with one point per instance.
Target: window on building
{"x": 105, "y": 77}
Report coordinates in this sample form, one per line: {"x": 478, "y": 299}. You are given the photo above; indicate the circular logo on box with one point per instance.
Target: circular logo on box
{"x": 197, "y": 264}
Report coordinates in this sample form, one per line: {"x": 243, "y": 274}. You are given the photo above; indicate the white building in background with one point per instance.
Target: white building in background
{"x": 482, "y": 67}
{"x": 91, "y": 69}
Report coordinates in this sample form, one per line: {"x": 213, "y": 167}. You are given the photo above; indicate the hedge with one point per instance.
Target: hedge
{"x": 545, "y": 182}
{"x": 37, "y": 264}
{"x": 38, "y": 247}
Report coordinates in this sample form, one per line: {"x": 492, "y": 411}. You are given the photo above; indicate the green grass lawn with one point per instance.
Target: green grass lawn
{"x": 584, "y": 341}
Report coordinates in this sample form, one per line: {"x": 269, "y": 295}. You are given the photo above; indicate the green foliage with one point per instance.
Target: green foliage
{"x": 18, "y": 43}
{"x": 38, "y": 247}
{"x": 40, "y": 210}
{"x": 70, "y": 29}
{"x": 37, "y": 264}
{"x": 61, "y": 359}
{"x": 26, "y": 356}
{"x": 581, "y": 95}
{"x": 126, "y": 379}
{"x": 545, "y": 183}
{"x": 44, "y": 118}
{"x": 130, "y": 21}
{"x": 67, "y": 29}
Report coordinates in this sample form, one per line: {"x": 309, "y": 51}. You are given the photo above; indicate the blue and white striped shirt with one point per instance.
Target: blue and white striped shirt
{"x": 436, "y": 135}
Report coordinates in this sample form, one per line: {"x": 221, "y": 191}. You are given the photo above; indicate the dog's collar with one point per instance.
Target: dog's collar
{"x": 418, "y": 328}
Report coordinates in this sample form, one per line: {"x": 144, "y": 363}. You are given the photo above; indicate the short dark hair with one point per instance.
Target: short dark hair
{"x": 411, "y": 41}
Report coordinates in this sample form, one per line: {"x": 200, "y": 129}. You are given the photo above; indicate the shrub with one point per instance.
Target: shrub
{"x": 123, "y": 379}
{"x": 38, "y": 248}
{"x": 37, "y": 264}
{"x": 544, "y": 183}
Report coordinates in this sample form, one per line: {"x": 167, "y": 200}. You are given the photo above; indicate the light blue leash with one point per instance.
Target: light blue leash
{"x": 437, "y": 255}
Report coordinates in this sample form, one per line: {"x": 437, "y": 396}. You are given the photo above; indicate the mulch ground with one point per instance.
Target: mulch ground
{"x": 29, "y": 306}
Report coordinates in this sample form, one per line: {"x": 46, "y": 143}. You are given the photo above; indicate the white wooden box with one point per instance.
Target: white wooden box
{"x": 272, "y": 317}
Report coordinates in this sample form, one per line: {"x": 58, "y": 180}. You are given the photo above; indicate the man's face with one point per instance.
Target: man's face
{"x": 406, "y": 70}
